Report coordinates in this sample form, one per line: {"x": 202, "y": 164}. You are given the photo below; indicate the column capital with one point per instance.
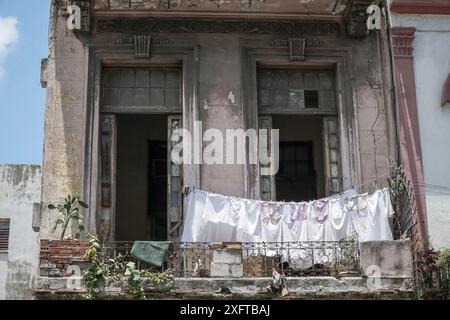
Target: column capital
{"x": 402, "y": 40}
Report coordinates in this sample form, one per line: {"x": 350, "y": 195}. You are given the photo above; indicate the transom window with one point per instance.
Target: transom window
{"x": 294, "y": 89}
{"x": 142, "y": 87}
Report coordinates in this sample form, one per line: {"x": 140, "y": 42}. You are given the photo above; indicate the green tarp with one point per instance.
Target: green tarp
{"x": 151, "y": 252}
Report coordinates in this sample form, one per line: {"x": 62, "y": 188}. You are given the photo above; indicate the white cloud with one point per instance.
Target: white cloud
{"x": 9, "y": 36}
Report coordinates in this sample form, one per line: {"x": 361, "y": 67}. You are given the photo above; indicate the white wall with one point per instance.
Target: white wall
{"x": 432, "y": 67}
{"x": 20, "y": 187}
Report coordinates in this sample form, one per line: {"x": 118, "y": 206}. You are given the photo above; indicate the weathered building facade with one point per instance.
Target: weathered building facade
{"x": 133, "y": 71}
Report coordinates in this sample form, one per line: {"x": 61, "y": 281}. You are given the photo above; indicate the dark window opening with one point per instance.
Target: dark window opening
{"x": 311, "y": 99}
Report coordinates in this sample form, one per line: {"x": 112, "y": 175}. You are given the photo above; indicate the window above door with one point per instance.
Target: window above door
{"x": 145, "y": 88}
{"x": 295, "y": 90}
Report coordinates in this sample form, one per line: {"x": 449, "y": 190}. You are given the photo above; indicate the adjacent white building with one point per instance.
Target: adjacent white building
{"x": 20, "y": 187}
{"x": 431, "y": 56}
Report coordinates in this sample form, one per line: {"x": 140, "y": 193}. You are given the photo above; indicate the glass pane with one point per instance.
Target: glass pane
{"x": 157, "y": 79}
{"x": 157, "y": 97}
{"x": 265, "y": 98}
{"x": 280, "y": 80}
{"x": 282, "y": 98}
{"x": 142, "y": 97}
{"x": 296, "y": 99}
{"x": 326, "y": 81}
{"x": 173, "y": 79}
{"x": 126, "y": 97}
{"x": 142, "y": 78}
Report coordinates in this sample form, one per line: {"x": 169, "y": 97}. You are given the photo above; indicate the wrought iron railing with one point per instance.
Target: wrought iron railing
{"x": 429, "y": 280}
{"x": 302, "y": 259}
{"x": 293, "y": 259}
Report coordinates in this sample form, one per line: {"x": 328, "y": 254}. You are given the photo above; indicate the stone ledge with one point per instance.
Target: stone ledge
{"x": 245, "y": 288}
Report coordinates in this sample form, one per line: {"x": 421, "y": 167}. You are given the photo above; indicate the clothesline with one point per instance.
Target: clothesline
{"x": 213, "y": 217}
{"x": 189, "y": 189}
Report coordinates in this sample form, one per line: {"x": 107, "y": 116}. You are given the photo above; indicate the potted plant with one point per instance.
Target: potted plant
{"x": 69, "y": 211}
{"x": 57, "y": 255}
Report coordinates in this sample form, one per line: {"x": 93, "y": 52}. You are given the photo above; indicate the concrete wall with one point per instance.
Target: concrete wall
{"x": 20, "y": 187}
{"x": 431, "y": 68}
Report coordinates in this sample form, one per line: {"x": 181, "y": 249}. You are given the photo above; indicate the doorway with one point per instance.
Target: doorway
{"x": 301, "y": 175}
{"x": 141, "y": 173}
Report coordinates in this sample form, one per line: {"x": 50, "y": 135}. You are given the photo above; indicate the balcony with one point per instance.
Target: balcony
{"x": 341, "y": 269}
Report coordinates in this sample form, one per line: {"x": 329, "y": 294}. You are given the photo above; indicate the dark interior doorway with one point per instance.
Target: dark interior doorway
{"x": 301, "y": 175}
{"x": 296, "y": 179}
{"x": 141, "y": 170}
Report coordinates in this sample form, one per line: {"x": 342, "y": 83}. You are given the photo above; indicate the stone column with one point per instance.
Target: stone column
{"x": 410, "y": 146}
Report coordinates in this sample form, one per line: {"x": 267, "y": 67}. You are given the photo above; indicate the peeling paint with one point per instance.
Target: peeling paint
{"x": 232, "y": 97}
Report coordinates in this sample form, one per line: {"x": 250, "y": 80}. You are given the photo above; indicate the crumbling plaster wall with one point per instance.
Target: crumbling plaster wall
{"x": 65, "y": 116}
{"x": 20, "y": 187}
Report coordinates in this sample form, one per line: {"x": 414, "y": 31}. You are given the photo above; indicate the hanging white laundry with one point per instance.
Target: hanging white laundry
{"x": 370, "y": 214}
{"x": 220, "y": 222}
{"x": 339, "y": 224}
{"x": 249, "y": 225}
{"x": 271, "y": 227}
{"x": 294, "y": 222}
{"x": 194, "y": 223}
{"x": 216, "y": 218}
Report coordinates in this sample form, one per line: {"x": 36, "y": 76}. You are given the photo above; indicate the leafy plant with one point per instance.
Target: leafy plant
{"x": 103, "y": 271}
{"x": 164, "y": 279}
{"x": 98, "y": 270}
{"x": 135, "y": 280}
{"x": 68, "y": 211}
{"x": 443, "y": 261}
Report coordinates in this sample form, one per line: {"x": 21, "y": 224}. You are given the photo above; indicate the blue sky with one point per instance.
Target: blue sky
{"x": 23, "y": 43}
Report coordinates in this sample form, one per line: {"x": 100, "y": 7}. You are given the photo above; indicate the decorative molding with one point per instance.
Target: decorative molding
{"x": 356, "y": 18}
{"x": 310, "y": 43}
{"x": 142, "y": 46}
{"x": 129, "y": 40}
{"x": 446, "y": 91}
{"x": 218, "y": 26}
{"x": 297, "y": 48}
{"x": 402, "y": 39}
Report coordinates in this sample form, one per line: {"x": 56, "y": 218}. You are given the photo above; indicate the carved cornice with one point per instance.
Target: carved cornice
{"x": 129, "y": 40}
{"x": 142, "y": 44}
{"x": 402, "y": 39}
{"x": 218, "y": 26}
{"x": 310, "y": 43}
